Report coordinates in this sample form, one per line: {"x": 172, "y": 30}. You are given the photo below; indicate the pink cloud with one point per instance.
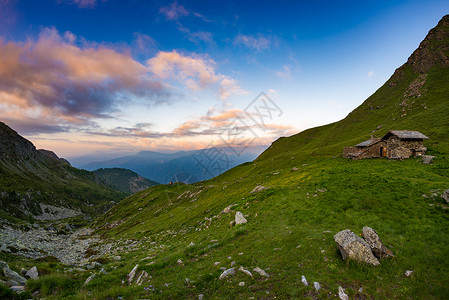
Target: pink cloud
{"x": 81, "y": 3}
{"x": 194, "y": 72}
{"x": 258, "y": 43}
{"x": 174, "y": 11}
{"x": 52, "y": 78}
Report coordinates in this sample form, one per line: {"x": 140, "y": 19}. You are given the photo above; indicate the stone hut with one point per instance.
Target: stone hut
{"x": 396, "y": 144}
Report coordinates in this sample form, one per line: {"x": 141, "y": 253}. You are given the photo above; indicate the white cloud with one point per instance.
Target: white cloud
{"x": 258, "y": 43}
{"x": 370, "y": 73}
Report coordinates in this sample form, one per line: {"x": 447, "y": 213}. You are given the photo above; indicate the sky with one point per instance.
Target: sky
{"x": 106, "y": 77}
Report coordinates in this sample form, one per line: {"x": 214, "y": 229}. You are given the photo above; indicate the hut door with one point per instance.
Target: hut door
{"x": 383, "y": 152}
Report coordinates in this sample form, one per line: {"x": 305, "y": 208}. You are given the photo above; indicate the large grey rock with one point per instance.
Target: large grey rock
{"x": 32, "y": 273}
{"x": 427, "y": 159}
{"x": 226, "y": 273}
{"x": 376, "y": 245}
{"x": 341, "y": 294}
{"x": 239, "y": 218}
{"x": 353, "y": 247}
{"x": 445, "y": 195}
{"x": 18, "y": 289}
{"x": 14, "y": 276}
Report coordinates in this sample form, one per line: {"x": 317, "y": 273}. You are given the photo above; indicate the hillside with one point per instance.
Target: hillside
{"x": 124, "y": 180}
{"x": 30, "y": 178}
{"x": 179, "y": 238}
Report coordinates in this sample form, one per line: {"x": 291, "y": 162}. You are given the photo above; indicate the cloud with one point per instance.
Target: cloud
{"x": 257, "y": 43}
{"x": 81, "y": 3}
{"x": 370, "y": 73}
{"x": 54, "y": 79}
{"x": 285, "y": 72}
{"x": 194, "y": 72}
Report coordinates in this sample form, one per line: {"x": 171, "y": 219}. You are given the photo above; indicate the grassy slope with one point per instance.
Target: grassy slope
{"x": 287, "y": 233}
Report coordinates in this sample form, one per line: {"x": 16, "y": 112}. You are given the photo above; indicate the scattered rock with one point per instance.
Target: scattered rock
{"x": 445, "y": 195}
{"x": 179, "y": 262}
{"x": 239, "y": 218}
{"x": 241, "y": 283}
{"x": 18, "y": 289}
{"x": 14, "y": 276}
{"x": 232, "y": 223}
{"x": 317, "y": 286}
{"x": 142, "y": 277}
{"x": 260, "y": 272}
{"x": 304, "y": 280}
{"x": 132, "y": 274}
{"x": 354, "y": 247}
{"x": 217, "y": 263}
{"x": 408, "y": 273}
{"x": 200, "y": 297}
{"x": 245, "y": 271}
{"x": 89, "y": 279}
{"x": 258, "y": 188}
{"x": 427, "y": 159}
{"x": 32, "y": 273}
{"x": 376, "y": 245}
{"x": 294, "y": 169}
{"x": 228, "y": 209}
{"x": 191, "y": 244}
{"x": 232, "y": 263}
{"x": 103, "y": 271}
{"x": 342, "y": 294}
{"x": 226, "y": 273}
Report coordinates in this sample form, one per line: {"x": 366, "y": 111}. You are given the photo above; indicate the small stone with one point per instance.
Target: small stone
{"x": 408, "y": 273}
{"x": 304, "y": 280}
{"x": 342, "y": 294}
{"x": 427, "y": 159}
{"x": 217, "y": 263}
{"x": 232, "y": 223}
{"x": 445, "y": 195}
{"x": 226, "y": 273}
{"x": 32, "y": 273}
{"x": 89, "y": 279}
{"x": 245, "y": 271}
{"x": 142, "y": 277}
{"x": 132, "y": 274}
{"x": 228, "y": 209}
{"x": 361, "y": 290}
{"x": 102, "y": 271}
{"x": 294, "y": 169}
{"x": 239, "y": 218}
{"x": 260, "y": 272}
{"x": 191, "y": 244}
{"x": 241, "y": 253}
{"x": 232, "y": 263}
{"x": 200, "y": 297}
{"x": 179, "y": 261}
{"x": 317, "y": 286}
{"x": 258, "y": 189}
{"x": 241, "y": 283}
{"x": 222, "y": 268}
{"x": 18, "y": 289}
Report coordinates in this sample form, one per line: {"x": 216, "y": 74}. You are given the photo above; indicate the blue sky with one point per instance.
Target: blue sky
{"x": 86, "y": 76}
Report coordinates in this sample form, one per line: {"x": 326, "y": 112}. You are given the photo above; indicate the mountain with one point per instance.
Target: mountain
{"x": 124, "y": 180}
{"x": 179, "y": 241}
{"x": 183, "y": 166}
{"x": 32, "y": 179}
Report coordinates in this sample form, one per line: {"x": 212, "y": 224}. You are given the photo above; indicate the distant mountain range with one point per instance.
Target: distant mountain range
{"x": 183, "y": 166}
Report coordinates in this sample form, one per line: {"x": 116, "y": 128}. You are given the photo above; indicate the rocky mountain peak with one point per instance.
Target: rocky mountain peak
{"x": 13, "y": 145}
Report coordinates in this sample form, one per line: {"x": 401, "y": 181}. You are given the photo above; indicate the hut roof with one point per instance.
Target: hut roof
{"x": 406, "y": 134}
{"x": 369, "y": 142}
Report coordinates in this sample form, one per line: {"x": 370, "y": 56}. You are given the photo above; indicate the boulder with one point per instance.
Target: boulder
{"x": 18, "y": 289}
{"x": 245, "y": 271}
{"x": 317, "y": 286}
{"x": 226, "y": 273}
{"x": 445, "y": 195}
{"x": 353, "y": 247}
{"x": 373, "y": 240}
{"x": 258, "y": 189}
{"x": 14, "y": 276}
{"x": 304, "y": 280}
{"x": 32, "y": 273}
{"x": 427, "y": 159}
{"x": 239, "y": 218}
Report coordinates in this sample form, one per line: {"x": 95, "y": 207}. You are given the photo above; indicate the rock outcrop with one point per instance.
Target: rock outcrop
{"x": 240, "y": 218}
{"x": 445, "y": 195}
